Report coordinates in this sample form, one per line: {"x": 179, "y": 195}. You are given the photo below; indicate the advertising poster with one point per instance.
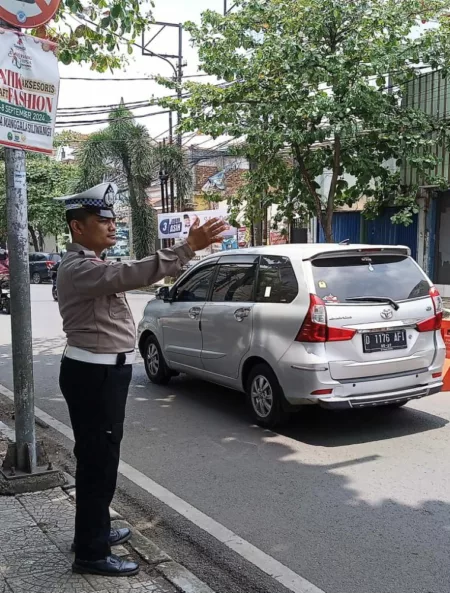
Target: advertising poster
{"x": 29, "y": 87}
{"x": 243, "y": 237}
{"x": 277, "y": 238}
{"x": 176, "y": 225}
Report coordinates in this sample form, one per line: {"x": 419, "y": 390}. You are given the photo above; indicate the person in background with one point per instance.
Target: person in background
{"x": 4, "y": 268}
{"x": 97, "y": 364}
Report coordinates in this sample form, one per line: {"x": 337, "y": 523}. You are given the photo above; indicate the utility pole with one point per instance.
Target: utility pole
{"x": 26, "y": 466}
{"x": 177, "y": 68}
{"x": 21, "y": 335}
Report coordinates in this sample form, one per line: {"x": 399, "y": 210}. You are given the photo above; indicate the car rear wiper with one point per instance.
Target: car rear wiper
{"x": 370, "y": 299}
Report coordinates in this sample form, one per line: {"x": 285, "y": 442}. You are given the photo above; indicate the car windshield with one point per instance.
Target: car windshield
{"x": 397, "y": 277}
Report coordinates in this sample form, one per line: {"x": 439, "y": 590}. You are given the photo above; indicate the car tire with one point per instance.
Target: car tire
{"x": 7, "y": 308}
{"x": 36, "y": 278}
{"x": 265, "y": 397}
{"x": 155, "y": 366}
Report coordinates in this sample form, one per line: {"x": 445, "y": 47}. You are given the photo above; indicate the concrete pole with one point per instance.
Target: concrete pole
{"x": 22, "y": 349}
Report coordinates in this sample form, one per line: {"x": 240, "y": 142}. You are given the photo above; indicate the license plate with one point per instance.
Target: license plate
{"x": 384, "y": 341}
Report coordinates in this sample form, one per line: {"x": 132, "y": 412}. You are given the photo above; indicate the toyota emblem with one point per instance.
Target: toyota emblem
{"x": 387, "y": 314}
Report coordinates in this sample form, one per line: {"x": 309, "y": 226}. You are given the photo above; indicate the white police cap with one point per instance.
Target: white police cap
{"x": 98, "y": 200}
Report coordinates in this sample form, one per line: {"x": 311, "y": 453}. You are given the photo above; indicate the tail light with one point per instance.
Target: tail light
{"x": 433, "y": 323}
{"x": 315, "y": 327}
{"x": 49, "y": 264}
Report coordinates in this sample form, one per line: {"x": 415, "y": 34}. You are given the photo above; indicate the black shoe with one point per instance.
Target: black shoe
{"x": 117, "y": 537}
{"x": 112, "y": 566}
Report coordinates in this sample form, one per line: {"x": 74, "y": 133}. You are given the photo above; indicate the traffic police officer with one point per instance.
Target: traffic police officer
{"x": 97, "y": 363}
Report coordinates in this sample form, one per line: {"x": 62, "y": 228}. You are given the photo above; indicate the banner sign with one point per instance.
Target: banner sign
{"x": 277, "y": 238}
{"x": 29, "y": 87}
{"x": 176, "y": 225}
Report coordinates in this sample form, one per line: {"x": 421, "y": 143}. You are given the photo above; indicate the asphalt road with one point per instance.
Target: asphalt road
{"x": 353, "y": 502}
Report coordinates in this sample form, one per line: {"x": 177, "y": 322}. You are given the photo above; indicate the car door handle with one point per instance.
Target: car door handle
{"x": 194, "y": 313}
{"x": 241, "y": 314}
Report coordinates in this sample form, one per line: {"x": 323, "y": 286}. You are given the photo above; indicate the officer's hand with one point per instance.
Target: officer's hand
{"x": 203, "y": 236}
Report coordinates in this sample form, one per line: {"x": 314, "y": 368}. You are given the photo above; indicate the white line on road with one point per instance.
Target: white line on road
{"x": 275, "y": 569}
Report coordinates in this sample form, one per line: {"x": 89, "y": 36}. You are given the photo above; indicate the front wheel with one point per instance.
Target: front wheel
{"x": 155, "y": 366}
{"x": 36, "y": 278}
{"x": 265, "y": 397}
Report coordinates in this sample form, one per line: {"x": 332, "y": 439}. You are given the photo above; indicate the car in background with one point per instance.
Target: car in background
{"x": 339, "y": 326}
{"x": 40, "y": 266}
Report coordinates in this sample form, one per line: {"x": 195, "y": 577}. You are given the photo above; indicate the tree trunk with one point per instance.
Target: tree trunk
{"x": 41, "y": 240}
{"x": 327, "y": 226}
{"x": 143, "y": 223}
{"x": 33, "y": 238}
{"x": 328, "y": 222}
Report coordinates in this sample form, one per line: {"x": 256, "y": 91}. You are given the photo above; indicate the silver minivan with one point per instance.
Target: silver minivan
{"x": 341, "y": 326}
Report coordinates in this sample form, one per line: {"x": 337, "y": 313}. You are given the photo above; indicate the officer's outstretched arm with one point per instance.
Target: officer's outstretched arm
{"x": 94, "y": 278}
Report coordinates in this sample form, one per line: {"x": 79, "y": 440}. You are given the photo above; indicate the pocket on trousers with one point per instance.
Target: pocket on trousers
{"x": 116, "y": 433}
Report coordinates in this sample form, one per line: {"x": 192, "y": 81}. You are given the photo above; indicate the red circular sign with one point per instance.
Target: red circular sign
{"x": 28, "y": 14}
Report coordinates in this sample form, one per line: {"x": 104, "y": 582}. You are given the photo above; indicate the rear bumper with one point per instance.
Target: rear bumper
{"x": 379, "y": 399}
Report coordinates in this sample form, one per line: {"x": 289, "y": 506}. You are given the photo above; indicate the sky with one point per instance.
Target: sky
{"x": 78, "y": 93}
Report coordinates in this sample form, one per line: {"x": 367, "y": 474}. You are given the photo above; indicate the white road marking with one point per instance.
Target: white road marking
{"x": 275, "y": 569}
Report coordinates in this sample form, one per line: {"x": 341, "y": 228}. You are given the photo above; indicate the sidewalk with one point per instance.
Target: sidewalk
{"x": 36, "y": 532}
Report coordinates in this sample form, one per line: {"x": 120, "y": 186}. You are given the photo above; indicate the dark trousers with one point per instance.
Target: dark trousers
{"x": 96, "y": 396}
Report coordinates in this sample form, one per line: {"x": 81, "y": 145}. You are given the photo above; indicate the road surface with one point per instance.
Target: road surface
{"x": 353, "y": 502}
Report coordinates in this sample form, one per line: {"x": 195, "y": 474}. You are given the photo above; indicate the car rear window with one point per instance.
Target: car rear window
{"x": 395, "y": 276}
{"x": 276, "y": 280}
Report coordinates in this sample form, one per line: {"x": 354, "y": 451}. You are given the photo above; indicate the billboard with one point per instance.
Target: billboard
{"x": 176, "y": 225}
{"x": 29, "y": 88}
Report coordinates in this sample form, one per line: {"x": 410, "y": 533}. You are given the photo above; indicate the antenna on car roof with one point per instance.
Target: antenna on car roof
{"x": 345, "y": 242}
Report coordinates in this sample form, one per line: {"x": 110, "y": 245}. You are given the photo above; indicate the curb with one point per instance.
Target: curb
{"x": 180, "y": 577}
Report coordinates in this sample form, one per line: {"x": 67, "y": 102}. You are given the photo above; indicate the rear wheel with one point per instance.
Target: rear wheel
{"x": 155, "y": 366}
{"x": 36, "y": 278}
{"x": 265, "y": 397}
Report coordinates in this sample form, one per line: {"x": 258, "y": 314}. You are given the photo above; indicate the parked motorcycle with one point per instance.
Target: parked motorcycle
{"x": 5, "y": 300}
{"x": 53, "y": 276}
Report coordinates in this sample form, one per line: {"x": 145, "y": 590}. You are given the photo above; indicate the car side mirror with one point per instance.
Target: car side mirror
{"x": 162, "y": 293}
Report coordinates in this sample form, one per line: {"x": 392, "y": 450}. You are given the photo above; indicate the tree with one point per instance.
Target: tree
{"x": 124, "y": 152}
{"x": 314, "y": 88}
{"x": 97, "y": 31}
{"x": 46, "y": 179}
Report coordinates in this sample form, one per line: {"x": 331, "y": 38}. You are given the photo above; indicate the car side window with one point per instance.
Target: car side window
{"x": 276, "y": 280}
{"x": 195, "y": 288}
{"x": 234, "y": 283}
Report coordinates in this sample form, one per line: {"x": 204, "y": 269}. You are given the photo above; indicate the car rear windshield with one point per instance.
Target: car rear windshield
{"x": 394, "y": 276}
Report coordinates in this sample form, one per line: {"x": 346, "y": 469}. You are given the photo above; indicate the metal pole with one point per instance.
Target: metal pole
{"x": 180, "y": 79}
{"x": 224, "y": 7}
{"x": 170, "y": 128}
{"x": 22, "y": 348}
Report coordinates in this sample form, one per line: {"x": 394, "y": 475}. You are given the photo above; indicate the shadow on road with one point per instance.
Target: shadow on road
{"x": 346, "y": 526}
{"x": 311, "y": 425}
